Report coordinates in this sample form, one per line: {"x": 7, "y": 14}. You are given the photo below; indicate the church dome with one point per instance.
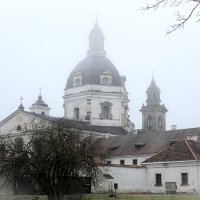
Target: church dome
{"x": 91, "y": 69}
{"x": 95, "y": 64}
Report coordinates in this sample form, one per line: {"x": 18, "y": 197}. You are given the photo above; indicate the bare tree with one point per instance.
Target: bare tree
{"x": 181, "y": 19}
{"x": 56, "y": 156}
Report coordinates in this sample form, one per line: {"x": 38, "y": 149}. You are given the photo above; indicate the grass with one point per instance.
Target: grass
{"x": 119, "y": 197}
{"x": 146, "y": 197}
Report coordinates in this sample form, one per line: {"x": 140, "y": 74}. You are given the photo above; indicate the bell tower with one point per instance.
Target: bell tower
{"x": 153, "y": 114}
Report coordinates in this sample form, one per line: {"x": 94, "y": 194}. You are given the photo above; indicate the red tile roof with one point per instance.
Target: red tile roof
{"x": 181, "y": 151}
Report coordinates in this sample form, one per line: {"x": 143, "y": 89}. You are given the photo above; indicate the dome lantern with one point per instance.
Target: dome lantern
{"x": 96, "y": 42}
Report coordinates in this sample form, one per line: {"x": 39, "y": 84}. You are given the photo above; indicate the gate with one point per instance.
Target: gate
{"x": 170, "y": 187}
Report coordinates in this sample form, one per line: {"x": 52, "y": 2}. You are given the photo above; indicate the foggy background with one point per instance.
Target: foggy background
{"x": 41, "y": 41}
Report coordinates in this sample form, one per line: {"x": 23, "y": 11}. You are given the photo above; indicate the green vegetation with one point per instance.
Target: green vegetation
{"x": 146, "y": 197}
{"x": 120, "y": 197}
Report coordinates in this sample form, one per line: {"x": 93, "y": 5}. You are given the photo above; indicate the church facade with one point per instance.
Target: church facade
{"x": 96, "y": 101}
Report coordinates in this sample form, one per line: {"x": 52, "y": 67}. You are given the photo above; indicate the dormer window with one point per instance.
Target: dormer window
{"x": 106, "y": 78}
{"x": 77, "y": 80}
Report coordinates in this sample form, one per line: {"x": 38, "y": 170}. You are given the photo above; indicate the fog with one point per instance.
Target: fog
{"x": 41, "y": 41}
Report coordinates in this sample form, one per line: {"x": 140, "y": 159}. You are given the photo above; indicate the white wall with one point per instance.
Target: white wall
{"x": 18, "y": 118}
{"x": 128, "y": 179}
{"x": 129, "y": 159}
{"x": 171, "y": 172}
{"x": 79, "y": 100}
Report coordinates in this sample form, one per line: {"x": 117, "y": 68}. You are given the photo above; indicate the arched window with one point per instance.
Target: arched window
{"x": 105, "y": 112}
{"x": 76, "y": 113}
{"x": 160, "y": 122}
{"x": 19, "y": 128}
{"x": 149, "y": 122}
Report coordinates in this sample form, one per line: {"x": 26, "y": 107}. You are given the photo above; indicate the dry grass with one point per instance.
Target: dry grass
{"x": 119, "y": 197}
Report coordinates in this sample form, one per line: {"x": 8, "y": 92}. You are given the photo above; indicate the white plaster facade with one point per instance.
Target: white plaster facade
{"x": 142, "y": 179}
{"x": 129, "y": 179}
{"x": 171, "y": 172}
{"x": 128, "y": 159}
{"x": 88, "y": 99}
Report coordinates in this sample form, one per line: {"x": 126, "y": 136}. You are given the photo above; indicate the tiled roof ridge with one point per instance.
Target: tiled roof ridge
{"x": 186, "y": 141}
{"x": 164, "y": 150}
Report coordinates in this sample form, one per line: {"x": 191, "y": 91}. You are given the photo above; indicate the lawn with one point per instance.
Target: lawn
{"x": 120, "y": 197}
{"x": 147, "y": 197}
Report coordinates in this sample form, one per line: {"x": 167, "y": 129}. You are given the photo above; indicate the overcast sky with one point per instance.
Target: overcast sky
{"x": 41, "y": 41}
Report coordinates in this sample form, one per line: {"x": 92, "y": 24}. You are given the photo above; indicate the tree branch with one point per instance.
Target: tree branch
{"x": 181, "y": 19}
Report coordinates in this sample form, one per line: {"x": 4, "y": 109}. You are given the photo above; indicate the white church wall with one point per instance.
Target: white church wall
{"x": 115, "y": 111}
{"x": 13, "y": 121}
{"x": 128, "y": 159}
{"x": 128, "y": 179}
{"x": 80, "y": 101}
{"x": 171, "y": 172}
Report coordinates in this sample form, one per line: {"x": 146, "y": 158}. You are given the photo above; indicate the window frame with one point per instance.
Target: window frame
{"x": 76, "y": 113}
{"x": 75, "y": 78}
{"x": 158, "y": 179}
{"x": 108, "y": 162}
{"x": 135, "y": 161}
{"x": 184, "y": 180}
{"x": 122, "y": 162}
{"x": 108, "y": 76}
{"x": 104, "y": 105}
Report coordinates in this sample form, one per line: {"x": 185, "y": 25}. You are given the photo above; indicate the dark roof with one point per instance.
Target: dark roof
{"x": 181, "y": 151}
{"x": 84, "y": 126}
{"x": 152, "y": 142}
{"x": 108, "y": 176}
{"x": 91, "y": 67}
{"x": 195, "y": 148}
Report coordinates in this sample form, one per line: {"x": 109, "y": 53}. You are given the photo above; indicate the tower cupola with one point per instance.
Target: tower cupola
{"x": 153, "y": 94}
{"x": 21, "y": 107}
{"x": 40, "y": 107}
{"x": 153, "y": 114}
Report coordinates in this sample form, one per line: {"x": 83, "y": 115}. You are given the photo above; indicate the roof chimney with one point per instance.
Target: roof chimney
{"x": 173, "y": 127}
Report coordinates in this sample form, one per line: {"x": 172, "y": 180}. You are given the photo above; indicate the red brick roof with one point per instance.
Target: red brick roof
{"x": 181, "y": 151}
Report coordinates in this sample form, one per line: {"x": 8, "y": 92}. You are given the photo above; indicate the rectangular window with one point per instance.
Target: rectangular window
{"x": 158, "y": 180}
{"x": 122, "y": 162}
{"x": 88, "y": 101}
{"x": 184, "y": 178}
{"x": 108, "y": 162}
{"x": 134, "y": 161}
